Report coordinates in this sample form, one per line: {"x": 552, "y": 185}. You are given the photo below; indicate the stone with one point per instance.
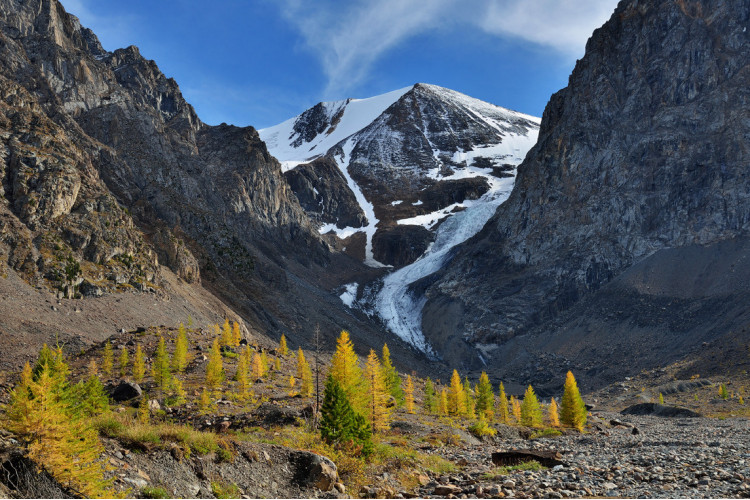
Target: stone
{"x": 125, "y": 391}
{"x": 446, "y": 489}
{"x": 315, "y": 470}
{"x": 153, "y": 405}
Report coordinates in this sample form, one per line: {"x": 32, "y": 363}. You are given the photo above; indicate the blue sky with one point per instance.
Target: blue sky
{"x": 259, "y": 62}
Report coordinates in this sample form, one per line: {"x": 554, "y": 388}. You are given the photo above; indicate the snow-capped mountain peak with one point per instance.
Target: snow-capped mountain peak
{"x": 312, "y": 133}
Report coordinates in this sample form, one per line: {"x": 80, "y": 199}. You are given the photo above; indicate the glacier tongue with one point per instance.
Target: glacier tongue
{"x": 366, "y": 206}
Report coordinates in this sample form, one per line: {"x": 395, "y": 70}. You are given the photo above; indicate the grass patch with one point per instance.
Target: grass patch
{"x": 158, "y": 492}
{"x": 135, "y": 435}
{"x": 542, "y": 433}
{"x": 498, "y": 472}
{"x": 221, "y": 489}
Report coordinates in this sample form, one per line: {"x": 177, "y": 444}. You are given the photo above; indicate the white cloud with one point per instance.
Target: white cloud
{"x": 563, "y": 25}
{"x": 349, "y": 37}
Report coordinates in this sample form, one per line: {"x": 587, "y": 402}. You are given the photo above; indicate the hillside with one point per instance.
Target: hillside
{"x": 620, "y": 248}
{"x": 110, "y": 178}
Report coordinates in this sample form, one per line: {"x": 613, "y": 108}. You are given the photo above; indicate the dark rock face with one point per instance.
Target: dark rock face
{"x": 445, "y": 193}
{"x": 322, "y": 191}
{"x": 643, "y": 151}
{"x": 400, "y": 245}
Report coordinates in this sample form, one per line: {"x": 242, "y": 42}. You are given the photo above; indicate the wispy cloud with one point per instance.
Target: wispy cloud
{"x": 348, "y": 39}
{"x": 563, "y": 25}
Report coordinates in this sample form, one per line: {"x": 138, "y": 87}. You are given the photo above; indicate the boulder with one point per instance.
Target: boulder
{"x": 660, "y": 410}
{"x": 315, "y": 470}
{"x": 126, "y": 391}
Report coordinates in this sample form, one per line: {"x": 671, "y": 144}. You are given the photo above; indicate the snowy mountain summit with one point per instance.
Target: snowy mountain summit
{"x": 382, "y": 173}
{"x": 399, "y": 179}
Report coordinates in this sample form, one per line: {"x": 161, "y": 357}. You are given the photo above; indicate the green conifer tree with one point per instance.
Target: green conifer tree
{"x": 340, "y": 425}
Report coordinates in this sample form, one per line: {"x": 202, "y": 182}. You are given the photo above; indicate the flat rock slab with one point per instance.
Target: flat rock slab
{"x": 659, "y": 410}
{"x": 548, "y": 458}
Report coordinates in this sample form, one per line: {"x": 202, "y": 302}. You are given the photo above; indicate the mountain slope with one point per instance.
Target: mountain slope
{"x": 643, "y": 156}
{"x": 410, "y": 158}
{"x": 108, "y": 172}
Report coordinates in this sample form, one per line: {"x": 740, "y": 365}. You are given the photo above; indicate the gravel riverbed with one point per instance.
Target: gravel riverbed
{"x": 664, "y": 458}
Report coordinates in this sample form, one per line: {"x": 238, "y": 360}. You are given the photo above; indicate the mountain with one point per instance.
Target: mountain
{"x": 623, "y": 243}
{"x": 116, "y": 198}
{"x": 406, "y": 161}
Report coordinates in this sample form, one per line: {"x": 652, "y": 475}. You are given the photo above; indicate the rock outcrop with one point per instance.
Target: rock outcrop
{"x": 107, "y": 172}
{"x": 642, "y": 156}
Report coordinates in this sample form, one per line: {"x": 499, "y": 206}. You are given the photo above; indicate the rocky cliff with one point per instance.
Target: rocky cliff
{"x": 108, "y": 173}
{"x": 641, "y": 157}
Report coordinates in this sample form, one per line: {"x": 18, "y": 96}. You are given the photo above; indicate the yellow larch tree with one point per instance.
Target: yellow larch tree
{"x": 456, "y": 396}
{"x": 306, "y": 387}
{"x": 258, "y": 371}
{"x": 409, "y": 395}
{"x": 107, "y": 359}
{"x": 215, "y": 367}
{"x": 345, "y": 369}
{"x": 554, "y": 419}
{"x": 503, "y": 413}
{"x": 124, "y": 361}
{"x": 516, "y": 408}
{"x": 531, "y": 412}
{"x": 378, "y": 413}
{"x": 226, "y": 333}
{"x": 572, "y": 408}
{"x": 139, "y": 365}
{"x": 283, "y": 348}
{"x": 180, "y": 355}
{"x": 443, "y": 402}
{"x": 242, "y": 376}
{"x": 236, "y": 334}
{"x": 160, "y": 369}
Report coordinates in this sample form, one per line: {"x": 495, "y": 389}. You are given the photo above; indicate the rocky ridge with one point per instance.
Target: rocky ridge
{"x": 639, "y": 165}
{"x": 108, "y": 173}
